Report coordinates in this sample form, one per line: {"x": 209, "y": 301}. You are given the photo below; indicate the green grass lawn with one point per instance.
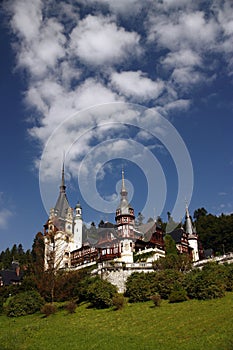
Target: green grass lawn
{"x": 190, "y": 325}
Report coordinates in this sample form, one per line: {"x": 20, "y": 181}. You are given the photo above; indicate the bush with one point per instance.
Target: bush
{"x": 209, "y": 283}
{"x": 139, "y": 287}
{"x": 48, "y": 309}
{"x": 71, "y": 307}
{"x": 100, "y": 293}
{"x": 1, "y": 304}
{"x": 178, "y": 296}
{"x": 118, "y": 301}
{"x": 166, "y": 281}
{"x": 156, "y": 298}
{"x": 24, "y": 304}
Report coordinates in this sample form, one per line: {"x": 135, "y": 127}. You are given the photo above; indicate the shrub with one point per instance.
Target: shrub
{"x": 156, "y": 298}
{"x": 178, "y": 296}
{"x": 118, "y": 301}
{"x": 24, "y": 304}
{"x": 71, "y": 307}
{"x": 100, "y": 293}
{"x": 139, "y": 287}
{"x": 1, "y": 304}
{"x": 164, "y": 282}
{"x": 208, "y": 283}
{"x": 48, "y": 309}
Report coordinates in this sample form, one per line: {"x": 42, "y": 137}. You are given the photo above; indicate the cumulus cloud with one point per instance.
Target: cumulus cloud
{"x": 136, "y": 85}
{"x": 183, "y": 30}
{"x": 97, "y": 40}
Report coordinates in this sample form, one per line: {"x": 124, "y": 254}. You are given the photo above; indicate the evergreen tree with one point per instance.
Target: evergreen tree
{"x": 170, "y": 245}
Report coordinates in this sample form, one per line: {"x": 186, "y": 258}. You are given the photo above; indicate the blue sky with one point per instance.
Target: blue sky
{"x": 146, "y": 85}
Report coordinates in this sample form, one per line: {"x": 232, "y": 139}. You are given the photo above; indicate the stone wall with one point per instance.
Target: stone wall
{"x": 118, "y": 273}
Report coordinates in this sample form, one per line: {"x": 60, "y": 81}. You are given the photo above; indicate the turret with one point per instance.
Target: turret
{"x": 125, "y": 213}
{"x": 125, "y": 223}
{"x": 78, "y": 224}
{"x": 192, "y": 236}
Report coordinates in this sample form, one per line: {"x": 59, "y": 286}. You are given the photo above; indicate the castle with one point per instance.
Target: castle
{"x": 120, "y": 242}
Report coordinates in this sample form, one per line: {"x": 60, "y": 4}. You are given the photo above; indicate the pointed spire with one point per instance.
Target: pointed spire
{"x": 124, "y": 204}
{"x": 123, "y": 189}
{"x": 63, "y": 186}
{"x": 189, "y": 227}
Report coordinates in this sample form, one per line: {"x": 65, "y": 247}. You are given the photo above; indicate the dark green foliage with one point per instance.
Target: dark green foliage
{"x": 100, "y": 293}
{"x": 178, "y": 295}
{"x": 208, "y": 283}
{"x": 68, "y": 284}
{"x": 165, "y": 281}
{"x": 139, "y": 287}
{"x": 216, "y": 232}
{"x": 229, "y": 277}
{"x": 48, "y": 309}
{"x": 2, "y": 300}
{"x": 170, "y": 245}
{"x": 199, "y": 213}
{"x": 24, "y": 304}
{"x": 118, "y": 301}
{"x": 71, "y": 307}
{"x": 156, "y": 298}
{"x": 16, "y": 253}
{"x": 180, "y": 262}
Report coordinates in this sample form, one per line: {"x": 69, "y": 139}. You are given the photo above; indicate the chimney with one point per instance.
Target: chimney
{"x": 17, "y": 270}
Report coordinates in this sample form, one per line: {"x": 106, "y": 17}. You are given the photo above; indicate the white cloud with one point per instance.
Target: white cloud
{"x": 186, "y": 76}
{"x": 5, "y": 215}
{"x": 178, "y": 105}
{"x": 136, "y": 85}
{"x": 183, "y": 30}
{"x": 182, "y": 58}
{"x": 44, "y": 51}
{"x": 97, "y": 40}
{"x": 27, "y": 18}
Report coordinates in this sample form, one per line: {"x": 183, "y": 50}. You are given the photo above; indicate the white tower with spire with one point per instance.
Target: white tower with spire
{"x": 78, "y": 226}
{"x": 192, "y": 236}
{"x": 125, "y": 224}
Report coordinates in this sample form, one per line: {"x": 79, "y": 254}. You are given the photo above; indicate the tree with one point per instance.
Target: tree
{"x": 216, "y": 232}
{"x": 170, "y": 245}
{"x": 100, "y": 293}
{"x": 198, "y": 213}
{"x": 101, "y": 223}
{"x": 54, "y": 253}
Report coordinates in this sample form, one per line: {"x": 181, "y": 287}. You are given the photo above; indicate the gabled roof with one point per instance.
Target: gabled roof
{"x": 177, "y": 235}
{"x": 12, "y": 275}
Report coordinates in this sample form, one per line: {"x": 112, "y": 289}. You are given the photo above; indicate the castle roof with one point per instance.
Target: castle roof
{"x": 62, "y": 204}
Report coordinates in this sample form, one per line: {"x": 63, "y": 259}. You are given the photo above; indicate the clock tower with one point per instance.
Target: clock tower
{"x": 125, "y": 225}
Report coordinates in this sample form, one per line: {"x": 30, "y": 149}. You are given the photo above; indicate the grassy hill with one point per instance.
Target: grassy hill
{"x": 189, "y": 325}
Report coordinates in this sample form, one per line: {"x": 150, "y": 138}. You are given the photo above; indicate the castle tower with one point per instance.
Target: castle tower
{"x": 125, "y": 224}
{"x": 192, "y": 236}
{"x": 78, "y": 226}
{"x": 58, "y": 235}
